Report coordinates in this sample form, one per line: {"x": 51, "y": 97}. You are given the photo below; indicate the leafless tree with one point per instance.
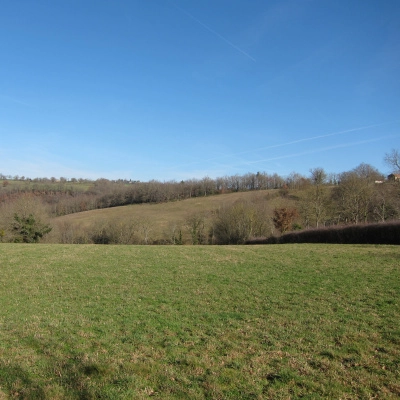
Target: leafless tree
{"x": 392, "y": 159}
{"x": 318, "y": 176}
{"x": 353, "y": 195}
{"x": 196, "y": 228}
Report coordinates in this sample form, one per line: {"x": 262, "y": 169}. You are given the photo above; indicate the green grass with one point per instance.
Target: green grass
{"x": 199, "y": 322}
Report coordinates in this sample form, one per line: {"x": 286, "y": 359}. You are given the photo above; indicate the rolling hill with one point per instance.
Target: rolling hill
{"x": 162, "y": 217}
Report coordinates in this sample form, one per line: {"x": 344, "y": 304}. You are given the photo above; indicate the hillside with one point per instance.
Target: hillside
{"x": 161, "y": 218}
{"x": 229, "y": 210}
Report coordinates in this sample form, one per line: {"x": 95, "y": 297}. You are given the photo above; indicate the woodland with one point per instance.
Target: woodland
{"x": 31, "y": 209}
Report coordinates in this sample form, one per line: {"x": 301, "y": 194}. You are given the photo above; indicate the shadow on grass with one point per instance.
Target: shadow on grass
{"x": 18, "y": 383}
{"x": 68, "y": 376}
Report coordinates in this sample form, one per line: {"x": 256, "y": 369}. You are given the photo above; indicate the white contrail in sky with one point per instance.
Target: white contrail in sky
{"x": 215, "y": 32}
{"x": 306, "y": 139}
{"x": 219, "y": 157}
{"x": 304, "y": 153}
{"x": 342, "y": 145}
{"x": 13, "y": 100}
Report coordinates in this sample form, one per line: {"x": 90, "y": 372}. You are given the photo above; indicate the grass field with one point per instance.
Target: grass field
{"x": 163, "y": 216}
{"x": 171, "y": 211}
{"x": 199, "y": 322}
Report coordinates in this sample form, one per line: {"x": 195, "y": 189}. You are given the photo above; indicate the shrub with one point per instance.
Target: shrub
{"x": 28, "y": 229}
{"x": 384, "y": 233}
{"x": 283, "y": 218}
{"x": 237, "y": 223}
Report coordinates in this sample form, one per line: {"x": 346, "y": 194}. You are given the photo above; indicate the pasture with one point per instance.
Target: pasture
{"x": 199, "y": 322}
{"x": 162, "y": 218}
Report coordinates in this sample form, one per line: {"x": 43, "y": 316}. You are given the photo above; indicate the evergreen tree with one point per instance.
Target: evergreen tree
{"x": 28, "y": 229}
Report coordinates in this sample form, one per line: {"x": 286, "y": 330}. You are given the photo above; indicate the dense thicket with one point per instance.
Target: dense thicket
{"x": 383, "y": 233}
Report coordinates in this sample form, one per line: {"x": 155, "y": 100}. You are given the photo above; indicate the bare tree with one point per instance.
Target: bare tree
{"x": 385, "y": 202}
{"x": 26, "y": 213}
{"x": 315, "y": 205}
{"x": 318, "y": 176}
{"x": 174, "y": 234}
{"x": 240, "y": 221}
{"x": 145, "y": 228}
{"x": 353, "y": 196}
{"x": 315, "y": 201}
{"x": 196, "y": 228}
{"x": 392, "y": 159}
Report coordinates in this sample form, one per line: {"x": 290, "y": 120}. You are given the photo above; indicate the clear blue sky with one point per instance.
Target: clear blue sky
{"x": 179, "y": 89}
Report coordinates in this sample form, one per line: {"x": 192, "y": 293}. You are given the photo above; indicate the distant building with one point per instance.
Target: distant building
{"x": 394, "y": 177}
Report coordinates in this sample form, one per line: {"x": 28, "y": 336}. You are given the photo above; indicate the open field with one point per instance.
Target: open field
{"x": 199, "y": 322}
{"x": 162, "y": 217}
{"x": 172, "y": 211}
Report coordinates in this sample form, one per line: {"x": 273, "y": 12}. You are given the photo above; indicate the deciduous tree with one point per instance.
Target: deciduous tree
{"x": 354, "y": 193}
{"x": 392, "y": 159}
{"x": 315, "y": 201}
{"x": 195, "y": 226}
{"x": 284, "y": 217}
{"x": 237, "y": 223}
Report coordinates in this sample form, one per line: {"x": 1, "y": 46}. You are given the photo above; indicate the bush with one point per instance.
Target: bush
{"x": 239, "y": 222}
{"x": 28, "y": 229}
{"x": 384, "y": 233}
{"x": 284, "y": 218}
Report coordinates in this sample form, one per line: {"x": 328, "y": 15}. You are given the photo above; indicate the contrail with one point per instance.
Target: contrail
{"x": 214, "y": 32}
{"x": 13, "y": 100}
{"x": 342, "y": 145}
{"x": 312, "y": 151}
{"x": 308, "y": 139}
{"x": 219, "y": 157}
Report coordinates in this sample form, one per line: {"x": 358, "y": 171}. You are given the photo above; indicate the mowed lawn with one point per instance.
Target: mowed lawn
{"x": 199, "y": 322}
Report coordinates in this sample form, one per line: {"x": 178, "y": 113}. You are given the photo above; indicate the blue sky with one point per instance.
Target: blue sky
{"x": 180, "y": 89}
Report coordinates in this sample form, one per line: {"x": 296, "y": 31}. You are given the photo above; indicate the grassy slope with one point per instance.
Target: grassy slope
{"x": 30, "y": 185}
{"x": 227, "y": 322}
{"x": 163, "y": 215}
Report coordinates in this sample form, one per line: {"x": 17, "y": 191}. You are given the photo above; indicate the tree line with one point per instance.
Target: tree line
{"x": 360, "y": 195}
{"x": 70, "y": 196}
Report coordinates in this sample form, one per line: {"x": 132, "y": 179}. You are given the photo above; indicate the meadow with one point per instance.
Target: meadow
{"x": 162, "y": 218}
{"x": 199, "y": 322}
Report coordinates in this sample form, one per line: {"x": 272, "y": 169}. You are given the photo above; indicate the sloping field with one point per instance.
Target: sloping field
{"x": 162, "y": 216}
{"x": 171, "y": 211}
{"x": 199, "y": 322}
